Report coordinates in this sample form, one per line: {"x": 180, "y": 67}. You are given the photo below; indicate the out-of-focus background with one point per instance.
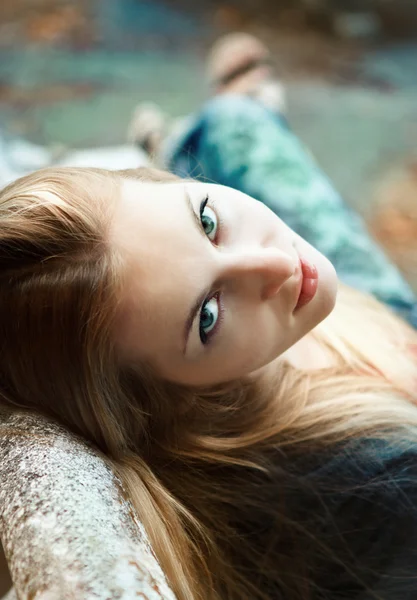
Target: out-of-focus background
{"x": 72, "y": 71}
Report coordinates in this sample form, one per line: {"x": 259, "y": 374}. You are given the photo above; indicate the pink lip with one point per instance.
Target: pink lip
{"x": 307, "y": 286}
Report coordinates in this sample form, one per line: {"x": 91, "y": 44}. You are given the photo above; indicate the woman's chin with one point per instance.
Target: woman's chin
{"x": 329, "y": 288}
{"x": 324, "y": 300}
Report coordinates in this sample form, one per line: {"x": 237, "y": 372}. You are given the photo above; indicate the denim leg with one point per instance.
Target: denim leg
{"x": 237, "y": 142}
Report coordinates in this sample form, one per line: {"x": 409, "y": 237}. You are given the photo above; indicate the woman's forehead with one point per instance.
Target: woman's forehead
{"x": 153, "y": 231}
{"x": 150, "y": 221}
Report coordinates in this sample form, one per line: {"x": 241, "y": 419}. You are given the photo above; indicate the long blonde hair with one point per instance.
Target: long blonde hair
{"x": 60, "y": 285}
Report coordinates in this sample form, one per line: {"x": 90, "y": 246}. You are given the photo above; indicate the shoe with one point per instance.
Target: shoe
{"x": 239, "y": 63}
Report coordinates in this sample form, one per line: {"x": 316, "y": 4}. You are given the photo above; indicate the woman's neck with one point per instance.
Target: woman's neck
{"x": 308, "y": 354}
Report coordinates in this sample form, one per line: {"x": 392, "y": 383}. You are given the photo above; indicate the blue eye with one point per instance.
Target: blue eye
{"x": 208, "y": 220}
{"x": 209, "y": 315}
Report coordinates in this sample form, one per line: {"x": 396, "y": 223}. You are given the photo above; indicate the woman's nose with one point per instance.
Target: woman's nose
{"x": 271, "y": 266}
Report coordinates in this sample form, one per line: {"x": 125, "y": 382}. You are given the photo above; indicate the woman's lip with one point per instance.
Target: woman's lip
{"x": 307, "y": 286}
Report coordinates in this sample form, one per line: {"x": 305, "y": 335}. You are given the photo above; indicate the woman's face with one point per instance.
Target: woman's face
{"x": 216, "y": 285}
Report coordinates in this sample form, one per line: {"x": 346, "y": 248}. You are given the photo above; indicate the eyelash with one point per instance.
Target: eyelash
{"x": 209, "y": 336}
{"x": 203, "y": 205}
{"x": 220, "y": 222}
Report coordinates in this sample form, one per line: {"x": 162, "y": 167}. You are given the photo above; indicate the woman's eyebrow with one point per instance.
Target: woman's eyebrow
{"x": 194, "y": 215}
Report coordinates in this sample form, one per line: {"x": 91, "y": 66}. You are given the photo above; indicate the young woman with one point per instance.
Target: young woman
{"x": 264, "y": 429}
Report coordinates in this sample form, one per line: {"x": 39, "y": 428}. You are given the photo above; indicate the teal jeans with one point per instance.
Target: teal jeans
{"x": 236, "y": 141}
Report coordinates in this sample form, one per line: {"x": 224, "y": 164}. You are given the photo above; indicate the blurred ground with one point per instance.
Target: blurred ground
{"x": 71, "y": 73}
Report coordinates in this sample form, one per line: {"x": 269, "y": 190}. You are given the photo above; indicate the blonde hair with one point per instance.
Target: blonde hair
{"x": 60, "y": 283}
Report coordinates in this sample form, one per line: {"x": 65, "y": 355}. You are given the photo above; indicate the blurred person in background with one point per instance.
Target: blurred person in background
{"x": 261, "y": 416}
